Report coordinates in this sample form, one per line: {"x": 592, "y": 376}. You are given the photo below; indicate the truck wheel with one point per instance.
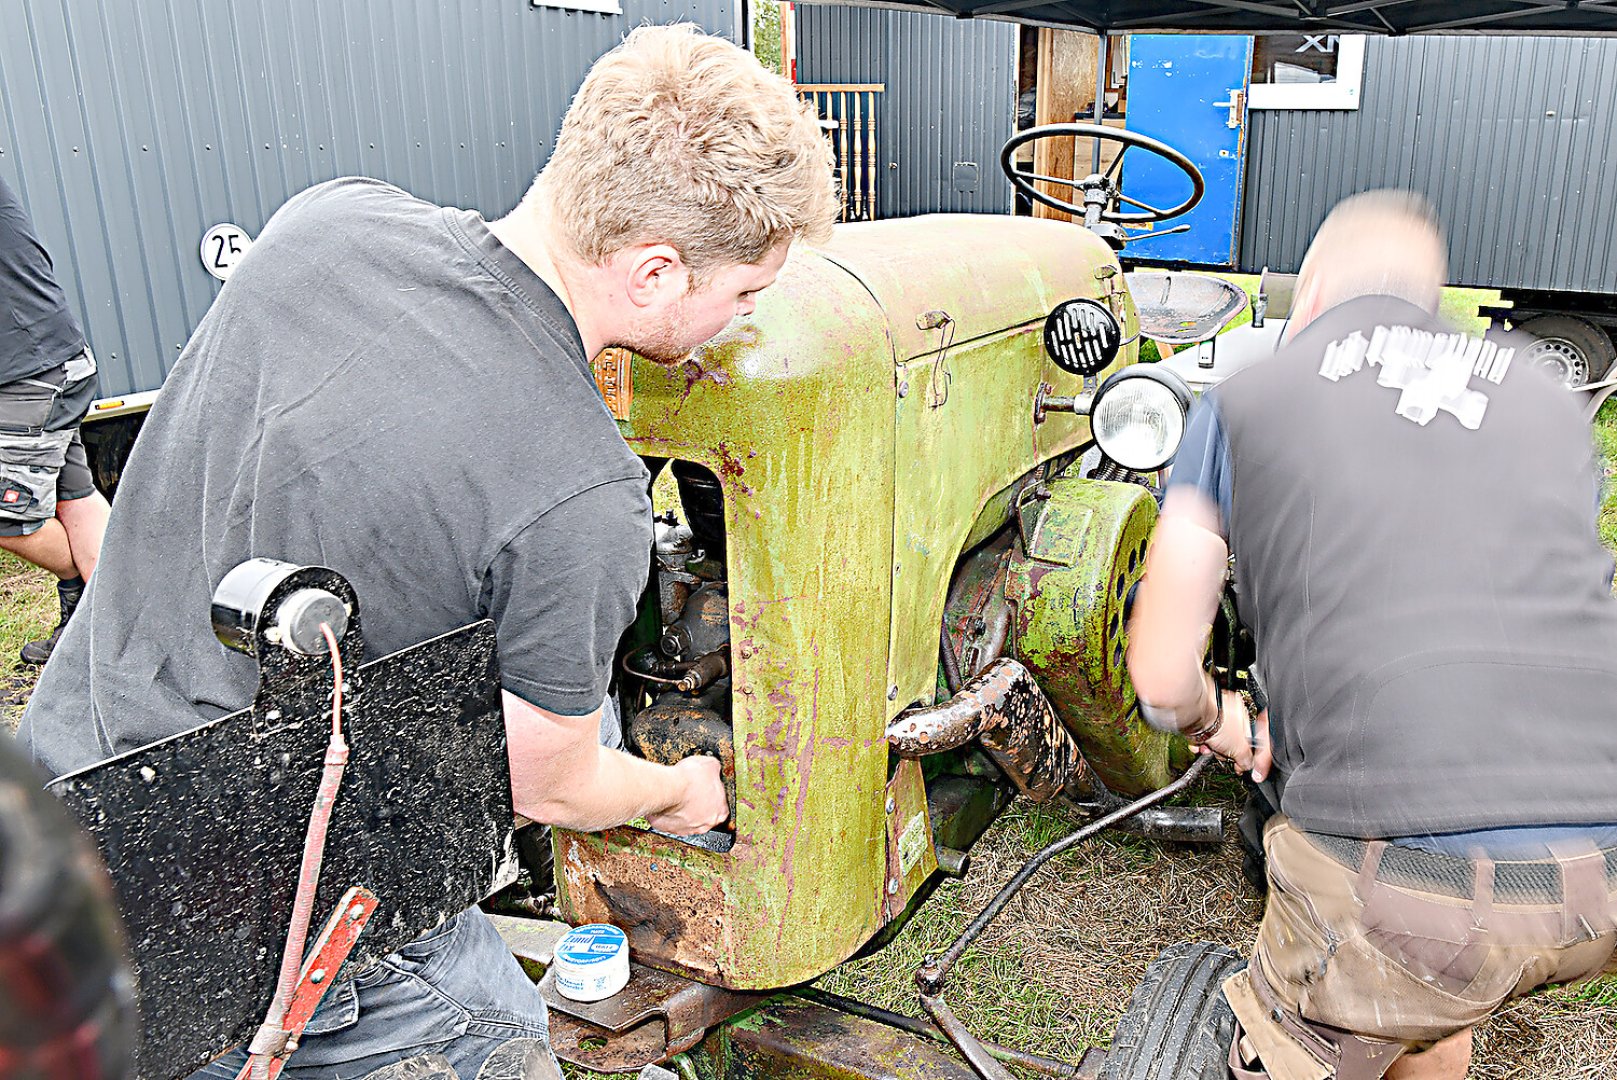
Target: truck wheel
{"x": 1178, "y": 1026}
{"x": 1571, "y": 349}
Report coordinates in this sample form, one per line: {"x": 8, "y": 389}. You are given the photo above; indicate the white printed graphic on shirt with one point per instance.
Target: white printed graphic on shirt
{"x": 1433, "y": 370}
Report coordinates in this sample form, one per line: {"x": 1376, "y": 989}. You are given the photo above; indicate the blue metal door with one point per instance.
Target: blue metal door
{"x": 1189, "y": 91}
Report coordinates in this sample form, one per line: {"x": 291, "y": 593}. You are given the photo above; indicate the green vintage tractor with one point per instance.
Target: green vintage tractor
{"x": 903, "y": 509}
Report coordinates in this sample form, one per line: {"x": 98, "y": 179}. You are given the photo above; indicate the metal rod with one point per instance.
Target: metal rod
{"x": 1117, "y": 161}
{"x": 1136, "y": 202}
{"x": 933, "y": 974}
{"x": 1357, "y": 6}
{"x": 951, "y": 665}
{"x": 1036, "y": 1062}
{"x": 1046, "y": 179}
{"x": 975, "y": 1053}
{"x": 1103, "y": 43}
{"x": 1218, "y": 11}
{"x": 1478, "y": 20}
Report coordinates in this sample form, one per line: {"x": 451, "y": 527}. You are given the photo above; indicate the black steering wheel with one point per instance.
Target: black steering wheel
{"x": 1101, "y": 192}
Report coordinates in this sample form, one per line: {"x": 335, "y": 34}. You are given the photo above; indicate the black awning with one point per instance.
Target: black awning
{"x": 1281, "y": 17}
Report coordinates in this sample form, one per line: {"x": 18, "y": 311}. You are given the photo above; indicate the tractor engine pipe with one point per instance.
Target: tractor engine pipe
{"x": 1003, "y": 709}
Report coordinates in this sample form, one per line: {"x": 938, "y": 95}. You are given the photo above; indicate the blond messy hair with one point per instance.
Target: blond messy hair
{"x": 681, "y": 138}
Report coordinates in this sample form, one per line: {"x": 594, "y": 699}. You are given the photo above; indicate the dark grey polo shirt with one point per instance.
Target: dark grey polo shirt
{"x": 37, "y": 330}
{"x": 381, "y": 388}
{"x": 1430, "y": 597}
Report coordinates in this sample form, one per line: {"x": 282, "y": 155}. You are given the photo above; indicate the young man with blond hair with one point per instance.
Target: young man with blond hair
{"x": 416, "y": 409}
{"x": 1412, "y": 515}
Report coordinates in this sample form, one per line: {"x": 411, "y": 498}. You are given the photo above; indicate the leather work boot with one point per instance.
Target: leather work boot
{"x": 68, "y": 594}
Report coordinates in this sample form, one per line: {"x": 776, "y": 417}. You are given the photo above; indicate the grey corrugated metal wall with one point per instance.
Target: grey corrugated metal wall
{"x": 1507, "y": 136}
{"x": 130, "y": 128}
{"x": 951, "y": 97}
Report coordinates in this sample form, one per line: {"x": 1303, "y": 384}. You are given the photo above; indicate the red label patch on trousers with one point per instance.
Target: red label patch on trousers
{"x": 11, "y": 495}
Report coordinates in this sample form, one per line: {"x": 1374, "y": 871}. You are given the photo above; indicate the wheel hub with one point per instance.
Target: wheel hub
{"x": 1562, "y": 359}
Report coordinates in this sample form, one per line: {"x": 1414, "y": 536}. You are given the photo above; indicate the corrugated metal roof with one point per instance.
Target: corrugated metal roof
{"x": 129, "y": 129}
{"x": 1267, "y": 16}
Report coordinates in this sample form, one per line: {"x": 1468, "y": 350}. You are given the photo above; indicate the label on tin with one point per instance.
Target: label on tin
{"x": 594, "y": 944}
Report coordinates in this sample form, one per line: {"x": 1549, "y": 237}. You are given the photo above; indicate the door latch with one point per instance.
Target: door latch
{"x": 1236, "y": 105}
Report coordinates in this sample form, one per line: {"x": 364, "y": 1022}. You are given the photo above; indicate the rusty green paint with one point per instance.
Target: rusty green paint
{"x": 793, "y": 412}
{"x": 850, "y": 490}
{"x": 957, "y": 461}
{"x": 1087, "y": 549}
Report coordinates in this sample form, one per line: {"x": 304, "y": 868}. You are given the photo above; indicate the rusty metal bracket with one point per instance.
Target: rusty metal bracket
{"x": 938, "y": 382}
{"x": 319, "y": 971}
{"x": 1004, "y": 709}
{"x": 807, "y": 1040}
{"x": 653, "y": 1018}
{"x": 933, "y": 976}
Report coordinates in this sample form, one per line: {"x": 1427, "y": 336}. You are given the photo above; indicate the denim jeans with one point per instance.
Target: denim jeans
{"x": 457, "y": 991}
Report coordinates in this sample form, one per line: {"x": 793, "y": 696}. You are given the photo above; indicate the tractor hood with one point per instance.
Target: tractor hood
{"x": 947, "y": 279}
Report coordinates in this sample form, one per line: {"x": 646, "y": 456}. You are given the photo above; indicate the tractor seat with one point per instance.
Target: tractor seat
{"x": 1181, "y": 308}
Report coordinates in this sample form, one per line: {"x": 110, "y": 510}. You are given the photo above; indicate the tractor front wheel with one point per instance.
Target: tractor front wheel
{"x": 1178, "y": 1027}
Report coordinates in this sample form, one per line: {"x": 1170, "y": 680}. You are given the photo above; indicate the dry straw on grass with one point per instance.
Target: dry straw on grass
{"x": 1055, "y": 972}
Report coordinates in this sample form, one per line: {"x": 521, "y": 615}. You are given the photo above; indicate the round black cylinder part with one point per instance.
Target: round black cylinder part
{"x": 702, "y": 496}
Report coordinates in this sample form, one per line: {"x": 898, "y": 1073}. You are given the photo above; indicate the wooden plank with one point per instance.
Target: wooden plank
{"x": 1064, "y": 87}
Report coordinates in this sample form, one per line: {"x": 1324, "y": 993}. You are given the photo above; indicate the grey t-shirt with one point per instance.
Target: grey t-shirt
{"x": 37, "y": 330}
{"x": 385, "y": 389}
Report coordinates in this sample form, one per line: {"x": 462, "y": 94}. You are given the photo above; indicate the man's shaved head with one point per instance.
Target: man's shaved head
{"x": 1380, "y": 243}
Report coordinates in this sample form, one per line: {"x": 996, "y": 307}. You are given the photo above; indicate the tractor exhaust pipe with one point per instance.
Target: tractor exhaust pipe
{"x": 1004, "y": 710}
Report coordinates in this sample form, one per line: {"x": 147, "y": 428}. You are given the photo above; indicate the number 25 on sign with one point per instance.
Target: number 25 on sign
{"x": 223, "y": 246}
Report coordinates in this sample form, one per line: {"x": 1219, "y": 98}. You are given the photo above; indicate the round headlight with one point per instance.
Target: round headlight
{"x": 1138, "y": 416}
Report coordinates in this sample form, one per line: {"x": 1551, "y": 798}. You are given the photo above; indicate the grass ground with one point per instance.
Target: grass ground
{"x": 27, "y": 612}
{"x": 1055, "y": 972}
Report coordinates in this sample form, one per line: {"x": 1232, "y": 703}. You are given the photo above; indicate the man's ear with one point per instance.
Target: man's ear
{"x": 655, "y": 273}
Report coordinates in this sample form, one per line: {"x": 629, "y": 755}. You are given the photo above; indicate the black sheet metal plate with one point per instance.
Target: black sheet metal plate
{"x": 203, "y": 832}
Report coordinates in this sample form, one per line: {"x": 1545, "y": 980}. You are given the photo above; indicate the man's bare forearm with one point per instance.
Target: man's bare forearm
{"x": 561, "y": 775}
{"x": 612, "y": 789}
{"x": 1173, "y": 614}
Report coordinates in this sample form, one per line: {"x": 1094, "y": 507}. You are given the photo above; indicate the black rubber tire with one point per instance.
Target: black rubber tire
{"x": 1585, "y": 337}
{"x": 1178, "y": 1027}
